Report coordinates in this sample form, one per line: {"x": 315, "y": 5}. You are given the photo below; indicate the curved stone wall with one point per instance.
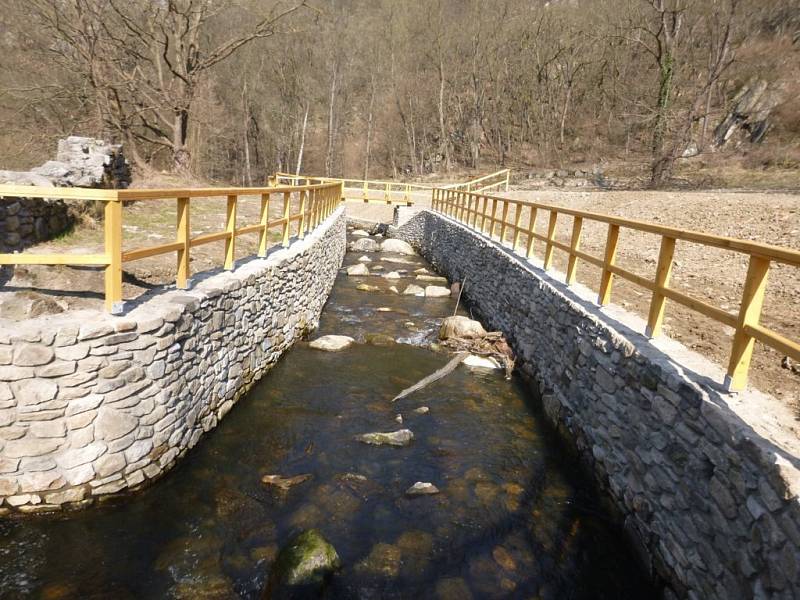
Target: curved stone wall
{"x": 706, "y": 482}
{"x": 27, "y": 221}
{"x": 92, "y": 404}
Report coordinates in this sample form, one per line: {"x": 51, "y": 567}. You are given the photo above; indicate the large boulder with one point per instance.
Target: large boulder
{"x": 460, "y": 327}
{"x": 332, "y": 343}
{"x": 397, "y": 246}
{"x": 364, "y": 245}
{"x": 302, "y": 567}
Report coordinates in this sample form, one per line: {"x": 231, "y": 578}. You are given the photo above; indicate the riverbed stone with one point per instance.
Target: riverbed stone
{"x": 460, "y": 327}
{"x": 422, "y": 488}
{"x": 414, "y": 290}
{"x": 397, "y": 246}
{"x": 332, "y": 343}
{"x": 302, "y": 567}
{"x": 359, "y": 269}
{"x": 364, "y": 245}
{"x": 401, "y": 437}
{"x": 435, "y": 291}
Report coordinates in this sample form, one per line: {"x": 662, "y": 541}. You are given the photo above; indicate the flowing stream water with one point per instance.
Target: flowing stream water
{"x": 516, "y": 517}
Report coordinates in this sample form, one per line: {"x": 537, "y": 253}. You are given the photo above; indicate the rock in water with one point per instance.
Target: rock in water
{"x": 379, "y": 339}
{"x": 393, "y": 275}
{"x": 302, "y": 568}
{"x": 359, "y": 269}
{"x": 359, "y": 233}
{"x": 460, "y": 327}
{"x": 482, "y": 362}
{"x": 397, "y": 246}
{"x": 422, "y": 488}
{"x": 284, "y": 483}
{"x": 364, "y": 245}
{"x": 422, "y": 410}
{"x": 432, "y": 279}
{"x": 332, "y": 343}
{"x": 364, "y": 259}
{"x": 414, "y": 290}
{"x": 401, "y": 437}
{"x": 364, "y": 287}
{"x": 436, "y": 291}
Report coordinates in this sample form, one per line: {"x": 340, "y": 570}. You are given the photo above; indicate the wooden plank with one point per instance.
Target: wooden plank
{"x": 53, "y": 259}
{"x": 699, "y": 306}
{"x": 67, "y": 193}
{"x": 658, "y": 301}
{"x": 551, "y": 234}
{"x": 774, "y": 340}
{"x": 150, "y": 251}
{"x": 230, "y": 228}
{"x": 575, "y": 242}
{"x": 755, "y": 286}
{"x": 263, "y": 238}
{"x": 182, "y": 230}
{"x": 607, "y": 277}
{"x": 208, "y": 238}
{"x": 113, "y": 249}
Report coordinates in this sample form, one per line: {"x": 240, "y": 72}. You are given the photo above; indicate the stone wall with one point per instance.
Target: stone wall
{"x": 27, "y": 221}
{"x": 92, "y": 404}
{"x": 706, "y": 482}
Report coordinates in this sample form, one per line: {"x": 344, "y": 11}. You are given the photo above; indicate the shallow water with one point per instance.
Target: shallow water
{"x": 514, "y": 518}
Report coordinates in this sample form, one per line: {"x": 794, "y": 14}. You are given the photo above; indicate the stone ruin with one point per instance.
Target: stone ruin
{"x": 80, "y": 162}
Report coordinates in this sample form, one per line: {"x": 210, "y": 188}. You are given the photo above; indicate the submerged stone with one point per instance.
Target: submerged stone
{"x": 364, "y": 287}
{"x": 401, "y": 437}
{"x": 303, "y": 566}
{"x": 379, "y": 339}
{"x": 422, "y": 410}
{"x": 364, "y": 259}
{"x": 332, "y": 343}
{"x": 285, "y": 483}
{"x": 432, "y": 279}
{"x": 393, "y": 275}
{"x": 383, "y": 559}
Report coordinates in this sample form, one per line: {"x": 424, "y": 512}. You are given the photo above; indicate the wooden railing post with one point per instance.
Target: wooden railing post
{"x": 755, "y": 286}
{"x": 503, "y": 223}
{"x": 230, "y": 229}
{"x": 366, "y": 192}
{"x": 610, "y": 257}
{"x": 263, "y": 235}
{"x": 183, "y": 237}
{"x": 113, "y": 251}
{"x": 574, "y": 245}
{"x": 386, "y": 194}
{"x": 531, "y": 229}
{"x": 508, "y": 177}
{"x": 301, "y": 232}
{"x": 287, "y": 207}
{"x": 483, "y": 213}
{"x": 517, "y": 215}
{"x": 493, "y": 218}
{"x": 551, "y": 236}
{"x": 663, "y": 274}
{"x": 475, "y": 211}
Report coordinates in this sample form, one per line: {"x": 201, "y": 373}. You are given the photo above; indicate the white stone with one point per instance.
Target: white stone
{"x": 49, "y": 429}
{"x": 481, "y": 362}
{"x": 364, "y": 259}
{"x": 75, "y": 457}
{"x": 71, "y": 495}
{"x": 332, "y": 343}
{"x": 359, "y": 233}
{"x": 109, "y": 464}
{"x": 435, "y": 291}
{"x": 397, "y": 246}
{"x": 414, "y": 290}
{"x": 32, "y": 355}
{"x": 393, "y": 275}
{"x": 80, "y": 475}
{"x": 359, "y": 269}
{"x": 460, "y": 327}
{"x": 34, "y": 391}
{"x": 112, "y": 424}
{"x": 29, "y": 446}
{"x": 422, "y": 488}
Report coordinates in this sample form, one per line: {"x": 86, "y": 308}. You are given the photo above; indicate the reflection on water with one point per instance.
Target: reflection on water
{"x": 513, "y": 519}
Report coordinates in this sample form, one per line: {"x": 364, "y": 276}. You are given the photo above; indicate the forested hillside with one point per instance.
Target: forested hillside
{"x": 231, "y": 90}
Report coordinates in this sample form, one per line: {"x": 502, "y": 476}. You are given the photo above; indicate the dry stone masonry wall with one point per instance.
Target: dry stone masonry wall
{"x": 27, "y": 221}
{"x": 92, "y": 405}
{"x": 709, "y": 499}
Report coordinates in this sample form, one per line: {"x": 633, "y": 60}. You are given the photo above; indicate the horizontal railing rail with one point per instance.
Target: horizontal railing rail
{"x": 487, "y": 214}
{"x": 394, "y": 192}
{"x": 304, "y": 207}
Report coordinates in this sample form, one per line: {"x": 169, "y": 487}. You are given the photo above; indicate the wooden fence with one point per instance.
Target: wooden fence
{"x": 305, "y": 206}
{"x": 393, "y": 192}
{"x": 488, "y": 214}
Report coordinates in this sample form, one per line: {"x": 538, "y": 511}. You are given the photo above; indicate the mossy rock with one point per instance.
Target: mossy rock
{"x": 303, "y": 567}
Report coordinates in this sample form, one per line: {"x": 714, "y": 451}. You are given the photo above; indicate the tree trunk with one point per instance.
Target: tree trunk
{"x": 369, "y": 127}
{"x": 302, "y": 142}
{"x": 331, "y": 122}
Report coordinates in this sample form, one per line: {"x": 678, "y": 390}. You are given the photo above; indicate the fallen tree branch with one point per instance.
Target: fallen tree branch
{"x": 436, "y": 376}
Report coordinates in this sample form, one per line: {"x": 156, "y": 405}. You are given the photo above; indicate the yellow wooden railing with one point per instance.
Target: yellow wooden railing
{"x": 304, "y": 205}
{"x": 393, "y": 192}
{"x": 487, "y": 214}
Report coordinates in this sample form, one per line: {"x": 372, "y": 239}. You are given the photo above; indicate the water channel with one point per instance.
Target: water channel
{"x": 515, "y": 517}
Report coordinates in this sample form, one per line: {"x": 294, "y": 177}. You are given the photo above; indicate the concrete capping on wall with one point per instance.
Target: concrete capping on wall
{"x": 706, "y": 481}
{"x": 93, "y": 405}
